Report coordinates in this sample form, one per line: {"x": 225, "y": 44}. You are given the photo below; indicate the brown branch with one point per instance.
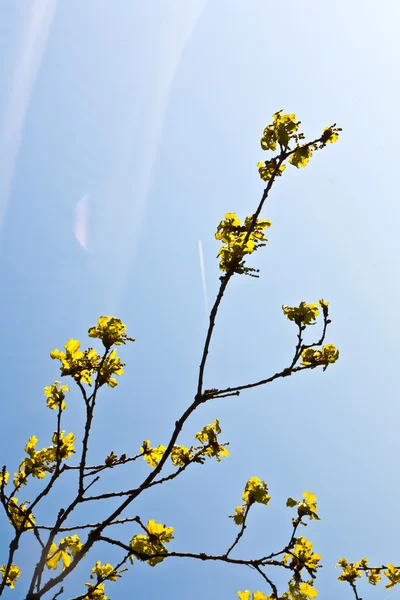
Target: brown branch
{"x": 226, "y": 278}
{"x": 284, "y": 373}
{"x": 201, "y": 556}
{"x": 90, "y": 404}
{"x": 58, "y": 458}
{"x": 13, "y": 547}
{"x": 178, "y": 427}
{"x": 89, "y": 525}
{"x": 267, "y": 579}
{"x": 120, "y": 461}
{"x": 95, "y": 535}
{"x": 60, "y": 591}
{"x": 196, "y": 458}
{"x": 241, "y": 531}
{"x": 215, "y": 393}
{"x": 353, "y": 587}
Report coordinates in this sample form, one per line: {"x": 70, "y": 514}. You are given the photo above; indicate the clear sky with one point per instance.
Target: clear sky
{"x": 127, "y": 130}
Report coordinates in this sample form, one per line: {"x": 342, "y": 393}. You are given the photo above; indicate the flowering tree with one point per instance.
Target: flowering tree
{"x": 62, "y": 545}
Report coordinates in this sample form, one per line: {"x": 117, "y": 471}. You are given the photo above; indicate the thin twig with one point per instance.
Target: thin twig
{"x": 89, "y": 525}
{"x": 267, "y": 579}
{"x": 241, "y": 531}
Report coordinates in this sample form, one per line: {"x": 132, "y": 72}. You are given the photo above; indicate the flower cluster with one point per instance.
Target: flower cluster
{"x": 110, "y": 331}
{"x": 300, "y": 590}
{"x": 19, "y": 516}
{"x": 256, "y": 596}
{"x": 12, "y": 576}
{"x": 181, "y": 455}
{"x": 352, "y": 571}
{"x": 270, "y": 168}
{"x": 238, "y": 241}
{"x": 283, "y": 132}
{"x": 314, "y": 358}
{"x": 304, "y": 314}
{"x": 306, "y": 508}
{"x": 112, "y": 365}
{"x": 81, "y": 365}
{"x": 150, "y": 547}
{"x": 152, "y": 455}
{"x": 4, "y": 477}
{"x": 255, "y": 490}
{"x": 208, "y": 436}
{"x": 40, "y": 462}
{"x": 302, "y": 557}
{"x": 102, "y": 573}
{"x": 55, "y": 395}
{"x": 77, "y": 363}
{"x": 64, "y": 552}
{"x": 297, "y": 591}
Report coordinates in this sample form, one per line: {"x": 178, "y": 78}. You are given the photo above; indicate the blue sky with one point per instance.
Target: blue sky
{"x": 144, "y": 120}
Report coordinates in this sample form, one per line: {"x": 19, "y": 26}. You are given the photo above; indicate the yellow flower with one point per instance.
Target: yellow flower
{"x": 323, "y": 303}
{"x": 300, "y": 591}
{"x": 95, "y": 592}
{"x": 330, "y": 135}
{"x": 373, "y": 576}
{"x": 256, "y": 596}
{"x": 310, "y": 505}
{"x": 112, "y": 365}
{"x": 302, "y": 555}
{"x": 152, "y": 455}
{"x": 238, "y": 517}
{"x": 110, "y": 331}
{"x": 304, "y": 314}
{"x": 55, "y": 395}
{"x": 105, "y": 571}
{"x": 239, "y": 240}
{"x": 65, "y": 444}
{"x": 64, "y": 552}
{"x": 268, "y": 168}
{"x": 5, "y": 479}
{"x": 17, "y": 515}
{"x": 301, "y": 157}
{"x": 256, "y": 491}
{"x": 43, "y": 461}
{"x": 208, "y": 436}
{"x": 162, "y": 533}
{"x": 79, "y": 365}
{"x": 313, "y": 358}
{"x": 282, "y": 130}
{"x": 393, "y": 574}
{"x": 350, "y": 570}
{"x": 12, "y": 576}
{"x": 145, "y": 546}
{"x": 306, "y": 508}
{"x": 180, "y": 456}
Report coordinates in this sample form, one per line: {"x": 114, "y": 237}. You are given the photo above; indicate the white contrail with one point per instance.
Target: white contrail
{"x": 203, "y": 278}
{"x": 34, "y": 39}
{"x": 127, "y": 190}
{"x": 80, "y": 225}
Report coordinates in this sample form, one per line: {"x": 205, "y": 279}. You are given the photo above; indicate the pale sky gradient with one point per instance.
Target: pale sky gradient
{"x": 134, "y": 127}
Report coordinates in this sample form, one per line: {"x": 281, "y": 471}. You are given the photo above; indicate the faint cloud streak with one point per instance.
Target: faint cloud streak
{"x": 128, "y": 189}
{"x": 203, "y": 278}
{"x": 34, "y": 39}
